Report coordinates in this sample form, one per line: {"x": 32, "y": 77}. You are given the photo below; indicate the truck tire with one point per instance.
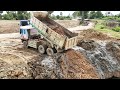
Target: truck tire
{"x": 25, "y": 44}
{"x": 41, "y": 49}
{"x": 50, "y": 51}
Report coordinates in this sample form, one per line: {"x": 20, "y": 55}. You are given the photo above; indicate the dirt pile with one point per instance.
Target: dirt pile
{"x": 76, "y": 66}
{"x": 40, "y": 15}
{"x": 92, "y": 34}
{"x": 87, "y": 44}
{"x": 70, "y": 65}
{"x": 114, "y": 48}
{"x": 106, "y": 65}
{"x": 45, "y": 67}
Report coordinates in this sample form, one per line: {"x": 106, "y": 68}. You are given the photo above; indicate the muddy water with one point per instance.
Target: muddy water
{"x": 106, "y": 65}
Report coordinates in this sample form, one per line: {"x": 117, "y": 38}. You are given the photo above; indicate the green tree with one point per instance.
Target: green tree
{"x": 58, "y": 17}
{"x": 13, "y": 15}
{"x": 99, "y": 14}
{"x": 61, "y": 14}
{"x": 68, "y": 17}
{"x": 1, "y": 15}
{"x": 53, "y": 17}
{"x": 92, "y": 14}
{"x": 8, "y": 16}
{"x": 84, "y": 14}
{"x": 76, "y": 14}
{"x": 21, "y": 15}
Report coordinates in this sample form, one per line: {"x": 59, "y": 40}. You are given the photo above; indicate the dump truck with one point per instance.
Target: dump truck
{"x": 46, "y": 35}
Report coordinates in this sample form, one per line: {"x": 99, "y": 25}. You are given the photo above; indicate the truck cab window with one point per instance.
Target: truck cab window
{"x": 24, "y": 23}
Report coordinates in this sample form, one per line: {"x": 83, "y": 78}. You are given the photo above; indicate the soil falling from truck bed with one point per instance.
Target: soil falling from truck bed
{"x": 55, "y": 26}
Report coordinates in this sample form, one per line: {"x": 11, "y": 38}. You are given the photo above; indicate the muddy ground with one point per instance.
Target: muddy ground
{"x": 96, "y": 56}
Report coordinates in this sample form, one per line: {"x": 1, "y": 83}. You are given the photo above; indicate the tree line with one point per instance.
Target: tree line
{"x": 88, "y": 14}
{"x": 21, "y": 15}
{"x": 79, "y": 14}
{"x": 14, "y": 15}
{"x": 61, "y": 17}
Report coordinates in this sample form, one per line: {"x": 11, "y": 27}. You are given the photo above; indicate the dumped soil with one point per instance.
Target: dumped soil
{"x": 56, "y": 27}
{"x": 70, "y": 65}
{"x": 114, "y": 48}
{"x": 92, "y": 34}
{"x": 87, "y": 44}
{"x": 106, "y": 64}
{"x": 45, "y": 67}
{"x": 47, "y": 21}
{"x": 77, "y": 66}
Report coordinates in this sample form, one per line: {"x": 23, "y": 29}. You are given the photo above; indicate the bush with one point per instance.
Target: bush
{"x": 117, "y": 29}
{"x": 102, "y": 27}
{"x": 118, "y": 19}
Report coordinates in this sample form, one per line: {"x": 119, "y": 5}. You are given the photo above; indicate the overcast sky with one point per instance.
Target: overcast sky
{"x": 66, "y": 13}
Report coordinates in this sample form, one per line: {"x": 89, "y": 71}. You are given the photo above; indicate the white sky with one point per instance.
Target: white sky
{"x": 66, "y": 13}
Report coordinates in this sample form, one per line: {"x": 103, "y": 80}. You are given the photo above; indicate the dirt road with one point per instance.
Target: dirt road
{"x": 10, "y": 35}
{"x": 80, "y": 28}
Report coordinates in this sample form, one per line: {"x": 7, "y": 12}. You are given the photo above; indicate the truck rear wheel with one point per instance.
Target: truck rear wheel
{"x": 50, "y": 51}
{"x": 25, "y": 44}
{"x": 41, "y": 49}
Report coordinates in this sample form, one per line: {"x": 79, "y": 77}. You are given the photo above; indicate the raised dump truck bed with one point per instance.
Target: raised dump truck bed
{"x": 58, "y": 37}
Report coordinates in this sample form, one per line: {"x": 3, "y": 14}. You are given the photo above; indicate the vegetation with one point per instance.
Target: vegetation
{"x": 117, "y": 29}
{"x": 13, "y": 15}
{"x": 97, "y": 14}
{"x": 61, "y": 17}
{"x": 115, "y": 32}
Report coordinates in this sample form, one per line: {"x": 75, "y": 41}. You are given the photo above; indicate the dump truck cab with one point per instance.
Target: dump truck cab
{"x": 24, "y": 29}
{"x": 24, "y": 22}
{"x": 28, "y": 34}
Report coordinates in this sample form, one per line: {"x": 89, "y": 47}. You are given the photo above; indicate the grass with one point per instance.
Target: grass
{"x": 107, "y": 31}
